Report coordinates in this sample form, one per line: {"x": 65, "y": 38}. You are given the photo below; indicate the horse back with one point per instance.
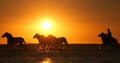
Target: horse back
{"x": 114, "y": 40}
{"x": 18, "y": 39}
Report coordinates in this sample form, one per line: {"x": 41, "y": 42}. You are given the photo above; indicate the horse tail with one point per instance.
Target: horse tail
{"x": 65, "y": 41}
{"x": 24, "y": 42}
{"x": 115, "y": 41}
{"x": 24, "y": 45}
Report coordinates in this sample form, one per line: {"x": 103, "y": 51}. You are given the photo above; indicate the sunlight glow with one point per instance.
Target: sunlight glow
{"x": 46, "y": 25}
{"x": 47, "y": 60}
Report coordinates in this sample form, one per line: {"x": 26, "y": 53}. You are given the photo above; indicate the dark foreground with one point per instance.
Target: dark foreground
{"x": 75, "y": 53}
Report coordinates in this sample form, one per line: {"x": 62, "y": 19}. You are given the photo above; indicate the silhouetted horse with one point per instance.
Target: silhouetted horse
{"x": 57, "y": 43}
{"x": 13, "y": 40}
{"x": 41, "y": 39}
{"x": 108, "y": 42}
{"x": 50, "y": 42}
{"x": 62, "y": 42}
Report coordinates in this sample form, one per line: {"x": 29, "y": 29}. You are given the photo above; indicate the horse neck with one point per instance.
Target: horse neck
{"x": 104, "y": 39}
{"x": 9, "y": 37}
{"x": 40, "y": 38}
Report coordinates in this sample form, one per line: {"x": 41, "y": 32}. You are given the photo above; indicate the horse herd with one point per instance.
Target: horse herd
{"x": 46, "y": 43}
{"x": 51, "y": 42}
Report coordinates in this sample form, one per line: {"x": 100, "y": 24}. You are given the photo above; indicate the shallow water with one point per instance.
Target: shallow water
{"x": 73, "y": 54}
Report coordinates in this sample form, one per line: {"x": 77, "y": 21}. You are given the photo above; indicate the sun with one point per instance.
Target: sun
{"x": 46, "y": 25}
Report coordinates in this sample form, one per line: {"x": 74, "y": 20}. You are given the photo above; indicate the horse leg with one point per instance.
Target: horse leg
{"x": 50, "y": 46}
{"x": 23, "y": 46}
{"x": 111, "y": 47}
{"x": 9, "y": 46}
{"x": 20, "y": 46}
{"x": 38, "y": 46}
{"x": 107, "y": 47}
{"x": 117, "y": 45}
{"x": 46, "y": 47}
{"x": 101, "y": 47}
{"x": 43, "y": 47}
{"x": 63, "y": 45}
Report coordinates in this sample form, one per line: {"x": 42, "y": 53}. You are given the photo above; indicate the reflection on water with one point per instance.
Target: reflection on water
{"x": 47, "y": 60}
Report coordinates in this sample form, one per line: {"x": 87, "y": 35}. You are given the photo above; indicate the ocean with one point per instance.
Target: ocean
{"x": 74, "y": 53}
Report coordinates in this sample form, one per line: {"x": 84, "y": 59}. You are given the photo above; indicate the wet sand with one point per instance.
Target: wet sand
{"x": 75, "y": 53}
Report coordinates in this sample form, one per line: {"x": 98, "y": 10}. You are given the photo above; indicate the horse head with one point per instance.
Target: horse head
{"x": 102, "y": 35}
{"x": 6, "y": 34}
{"x": 36, "y": 35}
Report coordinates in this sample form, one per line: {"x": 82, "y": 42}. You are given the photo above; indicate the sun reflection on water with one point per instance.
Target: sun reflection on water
{"x": 47, "y": 60}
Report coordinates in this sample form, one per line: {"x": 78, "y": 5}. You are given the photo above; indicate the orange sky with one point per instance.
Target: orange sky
{"x": 80, "y": 21}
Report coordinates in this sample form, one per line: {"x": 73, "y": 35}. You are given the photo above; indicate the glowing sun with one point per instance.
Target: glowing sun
{"x": 46, "y": 25}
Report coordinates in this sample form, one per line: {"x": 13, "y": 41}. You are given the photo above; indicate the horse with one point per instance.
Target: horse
{"x": 56, "y": 43}
{"x": 14, "y": 40}
{"x": 41, "y": 39}
{"x": 51, "y": 40}
{"x": 61, "y": 42}
{"x": 108, "y": 42}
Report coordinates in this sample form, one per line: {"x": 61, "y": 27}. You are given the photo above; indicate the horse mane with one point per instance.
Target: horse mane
{"x": 8, "y": 34}
{"x": 38, "y": 36}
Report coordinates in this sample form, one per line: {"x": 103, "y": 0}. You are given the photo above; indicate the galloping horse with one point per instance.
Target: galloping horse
{"x": 57, "y": 43}
{"x": 62, "y": 42}
{"x": 108, "y": 42}
{"x": 41, "y": 39}
{"x": 50, "y": 42}
{"x": 13, "y": 40}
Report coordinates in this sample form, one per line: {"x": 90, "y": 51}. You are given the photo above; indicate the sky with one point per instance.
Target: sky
{"x": 80, "y": 21}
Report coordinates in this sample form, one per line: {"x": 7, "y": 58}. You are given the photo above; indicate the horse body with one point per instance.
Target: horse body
{"x": 41, "y": 39}
{"x": 62, "y": 42}
{"x": 13, "y": 40}
{"x": 108, "y": 42}
{"x": 19, "y": 40}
